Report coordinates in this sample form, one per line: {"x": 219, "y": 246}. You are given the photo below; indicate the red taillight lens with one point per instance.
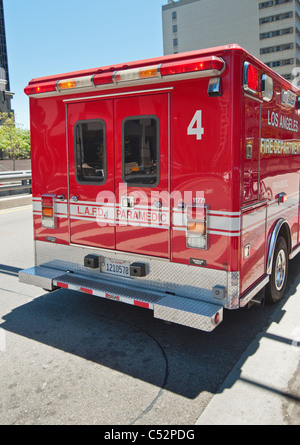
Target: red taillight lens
{"x": 196, "y": 212}
{"x": 46, "y": 87}
{"x": 206, "y": 63}
{"x": 103, "y": 79}
{"x": 47, "y": 201}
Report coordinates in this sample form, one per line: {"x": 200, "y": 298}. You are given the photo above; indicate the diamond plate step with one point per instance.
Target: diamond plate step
{"x": 192, "y": 313}
{"x": 176, "y": 309}
{"x": 108, "y": 290}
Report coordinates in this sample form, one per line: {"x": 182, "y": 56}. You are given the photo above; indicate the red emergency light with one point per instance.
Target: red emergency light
{"x": 250, "y": 78}
{"x": 46, "y": 87}
{"x": 103, "y": 78}
{"x": 213, "y": 64}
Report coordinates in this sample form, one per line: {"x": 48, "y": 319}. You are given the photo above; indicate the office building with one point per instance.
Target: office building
{"x": 5, "y": 93}
{"x": 270, "y": 30}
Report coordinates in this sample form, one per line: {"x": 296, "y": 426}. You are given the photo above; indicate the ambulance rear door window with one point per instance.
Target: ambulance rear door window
{"x": 141, "y": 151}
{"x": 90, "y": 151}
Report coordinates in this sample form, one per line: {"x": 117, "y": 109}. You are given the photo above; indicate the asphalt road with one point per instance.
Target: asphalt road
{"x": 70, "y": 358}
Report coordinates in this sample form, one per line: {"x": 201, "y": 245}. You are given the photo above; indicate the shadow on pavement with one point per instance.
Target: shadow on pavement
{"x": 128, "y": 339}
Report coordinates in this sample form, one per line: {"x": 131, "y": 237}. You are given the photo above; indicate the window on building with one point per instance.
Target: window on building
{"x": 278, "y": 32}
{"x": 270, "y": 3}
{"x": 275, "y": 18}
{"x": 90, "y": 151}
{"x": 174, "y": 15}
{"x": 276, "y": 48}
{"x": 175, "y": 42}
{"x": 282, "y": 62}
{"x": 174, "y": 28}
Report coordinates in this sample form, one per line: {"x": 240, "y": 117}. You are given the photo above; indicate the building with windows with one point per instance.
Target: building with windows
{"x": 5, "y": 93}
{"x": 270, "y": 30}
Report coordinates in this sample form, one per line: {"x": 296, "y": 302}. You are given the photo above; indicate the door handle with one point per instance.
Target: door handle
{"x": 74, "y": 198}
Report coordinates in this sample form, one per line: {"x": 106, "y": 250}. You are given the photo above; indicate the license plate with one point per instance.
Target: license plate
{"x": 116, "y": 267}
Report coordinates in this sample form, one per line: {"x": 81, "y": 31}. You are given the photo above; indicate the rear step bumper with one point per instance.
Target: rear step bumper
{"x": 176, "y": 309}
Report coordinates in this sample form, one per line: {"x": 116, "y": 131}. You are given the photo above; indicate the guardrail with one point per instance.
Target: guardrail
{"x": 14, "y": 183}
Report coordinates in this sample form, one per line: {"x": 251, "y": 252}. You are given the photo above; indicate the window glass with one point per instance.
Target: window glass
{"x": 90, "y": 156}
{"x": 141, "y": 151}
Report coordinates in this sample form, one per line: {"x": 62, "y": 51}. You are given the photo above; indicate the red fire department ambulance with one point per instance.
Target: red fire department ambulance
{"x": 170, "y": 184}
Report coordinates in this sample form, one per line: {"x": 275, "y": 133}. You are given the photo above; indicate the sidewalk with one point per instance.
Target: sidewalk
{"x": 264, "y": 386}
{"x": 9, "y": 202}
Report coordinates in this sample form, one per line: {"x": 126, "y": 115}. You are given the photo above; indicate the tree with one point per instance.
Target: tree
{"x": 14, "y": 141}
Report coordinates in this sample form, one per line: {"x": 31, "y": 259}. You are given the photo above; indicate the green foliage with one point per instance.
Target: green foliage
{"x": 14, "y": 141}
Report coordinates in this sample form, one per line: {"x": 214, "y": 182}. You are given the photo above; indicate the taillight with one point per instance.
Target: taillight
{"x": 48, "y": 211}
{"x": 196, "y": 229}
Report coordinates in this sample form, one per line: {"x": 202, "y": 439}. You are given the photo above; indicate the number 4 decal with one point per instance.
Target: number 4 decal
{"x": 195, "y": 128}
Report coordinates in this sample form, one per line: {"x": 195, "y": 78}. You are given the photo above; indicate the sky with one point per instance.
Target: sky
{"x": 58, "y": 36}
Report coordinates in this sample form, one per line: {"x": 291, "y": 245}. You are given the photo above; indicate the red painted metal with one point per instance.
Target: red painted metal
{"x": 246, "y": 153}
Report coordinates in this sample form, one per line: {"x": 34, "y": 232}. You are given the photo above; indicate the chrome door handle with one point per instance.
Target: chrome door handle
{"x": 74, "y": 198}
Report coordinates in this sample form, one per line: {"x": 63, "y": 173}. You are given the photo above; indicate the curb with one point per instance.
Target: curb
{"x": 15, "y": 201}
{"x": 263, "y": 388}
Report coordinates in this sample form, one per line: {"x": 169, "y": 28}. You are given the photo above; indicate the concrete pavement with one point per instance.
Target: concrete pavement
{"x": 264, "y": 386}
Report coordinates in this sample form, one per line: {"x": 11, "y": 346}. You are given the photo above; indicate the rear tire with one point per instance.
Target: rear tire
{"x": 278, "y": 278}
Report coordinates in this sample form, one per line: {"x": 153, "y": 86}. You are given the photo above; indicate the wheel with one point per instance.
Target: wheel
{"x": 276, "y": 286}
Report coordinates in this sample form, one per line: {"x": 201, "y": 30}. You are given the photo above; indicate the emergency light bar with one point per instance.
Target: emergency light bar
{"x": 197, "y": 67}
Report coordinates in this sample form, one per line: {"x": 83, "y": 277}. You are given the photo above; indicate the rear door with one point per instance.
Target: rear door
{"x": 142, "y": 174}
{"x": 119, "y": 174}
{"x": 91, "y": 173}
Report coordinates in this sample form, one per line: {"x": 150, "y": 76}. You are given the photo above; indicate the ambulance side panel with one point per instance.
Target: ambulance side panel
{"x": 270, "y": 167}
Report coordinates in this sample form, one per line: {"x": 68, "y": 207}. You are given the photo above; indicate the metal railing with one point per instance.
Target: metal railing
{"x": 14, "y": 183}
